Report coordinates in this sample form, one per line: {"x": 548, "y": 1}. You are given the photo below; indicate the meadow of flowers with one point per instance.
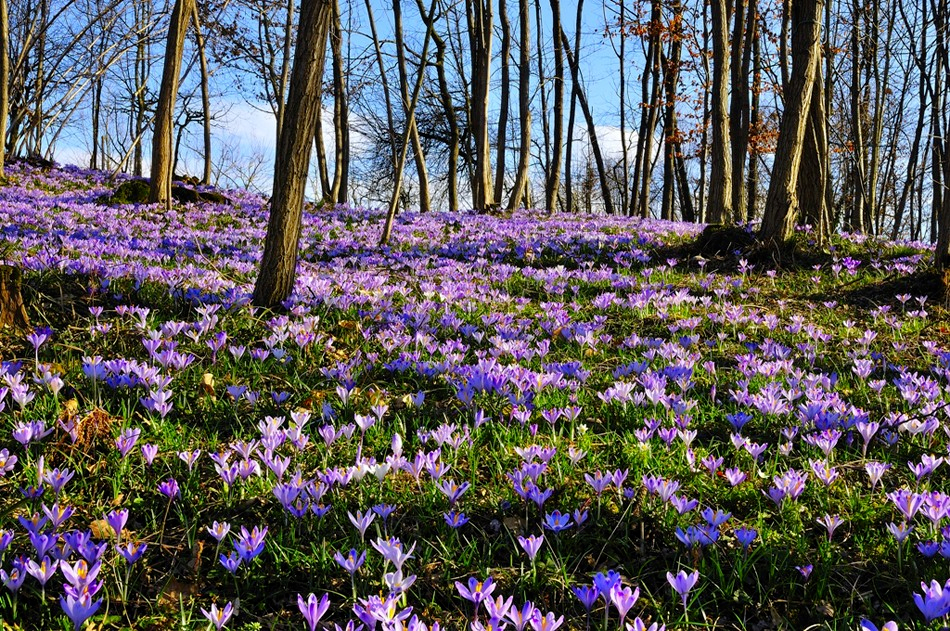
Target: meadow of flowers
{"x": 525, "y": 422}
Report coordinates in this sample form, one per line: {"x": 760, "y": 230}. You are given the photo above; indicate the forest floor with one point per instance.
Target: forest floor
{"x": 581, "y": 409}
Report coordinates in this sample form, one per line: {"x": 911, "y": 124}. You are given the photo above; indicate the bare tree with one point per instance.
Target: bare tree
{"x": 524, "y": 105}
{"x": 161, "y": 179}
{"x": 720, "y": 185}
{"x": 781, "y": 206}
{"x": 279, "y": 262}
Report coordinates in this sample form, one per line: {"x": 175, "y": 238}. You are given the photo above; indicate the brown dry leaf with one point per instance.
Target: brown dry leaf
{"x": 95, "y": 426}
{"x": 174, "y": 592}
{"x": 350, "y": 325}
{"x": 207, "y": 384}
{"x": 336, "y": 355}
{"x": 101, "y": 529}
{"x": 194, "y": 563}
{"x": 70, "y": 409}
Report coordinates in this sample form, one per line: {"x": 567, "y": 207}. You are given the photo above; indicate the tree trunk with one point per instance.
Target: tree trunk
{"x": 323, "y": 171}
{"x": 96, "y": 118}
{"x": 279, "y": 262}
{"x": 591, "y": 128}
{"x": 812, "y": 177}
{"x": 670, "y": 132}
{"x": 742, "y": 34}
{"x": 341, "y": 113}
{"x": 553, "y": 179}
{"x": 418, "y": 155}
{"x": 384, "y": 85}
{"x": 4, "y": 79}
{"x": 752, "y": 181}
{"x": 502, "y": 129}
{"x": 205, "y": 97}
{"x": 12, "y": 310}
{"x": 858, "y": 178}
{"x": 480, "y": 35}
{"x": 568, "y": 149}
{"x": 781, "y": 206}
{"x": 720, "y": 185}
{"x": 524, "y": 105}
{"x": 649, "y": 107}
{"x": 161, "y": 177}
{"x": 411, "y": 114}
{"x": 281, "y": 96}
{"x": 448, "y": 108}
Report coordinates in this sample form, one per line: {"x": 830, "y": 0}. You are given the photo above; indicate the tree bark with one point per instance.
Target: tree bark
{"x": 812, "y": 178}
{"x": 384, "y": 84}
{"x": 670, "y": 133}
{"x": 12, "y": 310}
{"x": 569, "y": 147}
{"x": 418, "y": 155}
{"x": 205, "y": 97}
{"x": 720, "y": 185}
{"x": 279, "y": 262}
{"x": 448, "y": 108}
{"x": 524, "y": 105}
{"x": 501, "y": 142}
{"x": 553, "y": 179}
{"x": 591, "y": 128}
{"x": 341, "y": 113}
{"x": 480, "y": 41}
{"x": 4, "y": 79}
{"x": 161, "y": 172}
{"x": 781, "y": 206}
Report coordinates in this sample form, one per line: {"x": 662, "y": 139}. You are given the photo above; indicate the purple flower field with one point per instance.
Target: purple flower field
{"x": 522, "y": 422}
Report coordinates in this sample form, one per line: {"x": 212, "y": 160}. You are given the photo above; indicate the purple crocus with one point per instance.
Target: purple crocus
{"x": 352, "y": 561}
{"x": 117, "y": 520}
{"x": 313, "y": 610}
{"x": 477, "y": 590}
{"x": 531, "y": 545}
{"x": 79, "y": 609}
{"x": 169, "y": 488}
{"x": 683, "y": 583}
{"x": 218, "y": 617}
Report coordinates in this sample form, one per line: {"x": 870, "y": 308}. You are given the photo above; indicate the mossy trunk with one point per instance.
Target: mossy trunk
{"x": 12, "y": 309}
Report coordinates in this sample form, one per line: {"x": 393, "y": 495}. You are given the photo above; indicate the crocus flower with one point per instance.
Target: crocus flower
{"x": 934, "y": 602}
{"x": 587, "y": 594}
{"x": 352, "y": 561}
{"x": 79, "y": 609}
{"x": 867, "y": 625}
{"x": 531, "y": 545}
{"x": 218, "y": 617}
{"x": 117, "y": 520}
{"x": 169, "y": 488}
{"x": 131, "y": 551}
{"x": 557, "y": 521}
{"x": 313, "y": 610}
{"x": 683, "y": 583}
{"x": 477, "y": 590}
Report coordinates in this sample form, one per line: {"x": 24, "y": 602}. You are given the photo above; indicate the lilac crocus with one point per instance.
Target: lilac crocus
{"x": 934, "y": 602}
{"x": 79, "y": 609}
{"x": 312, "y": 609}
{"x": 683, "y": 583}
{"x": 476, "y": 591}
{"x": 169, "y": 488}
{"x": 531, "y": 545}
{"x": 131, "y": 551}
{"x": 352, "y": 561}
{"x": 218, "y": 617}
{"x": 117, "y": 520}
